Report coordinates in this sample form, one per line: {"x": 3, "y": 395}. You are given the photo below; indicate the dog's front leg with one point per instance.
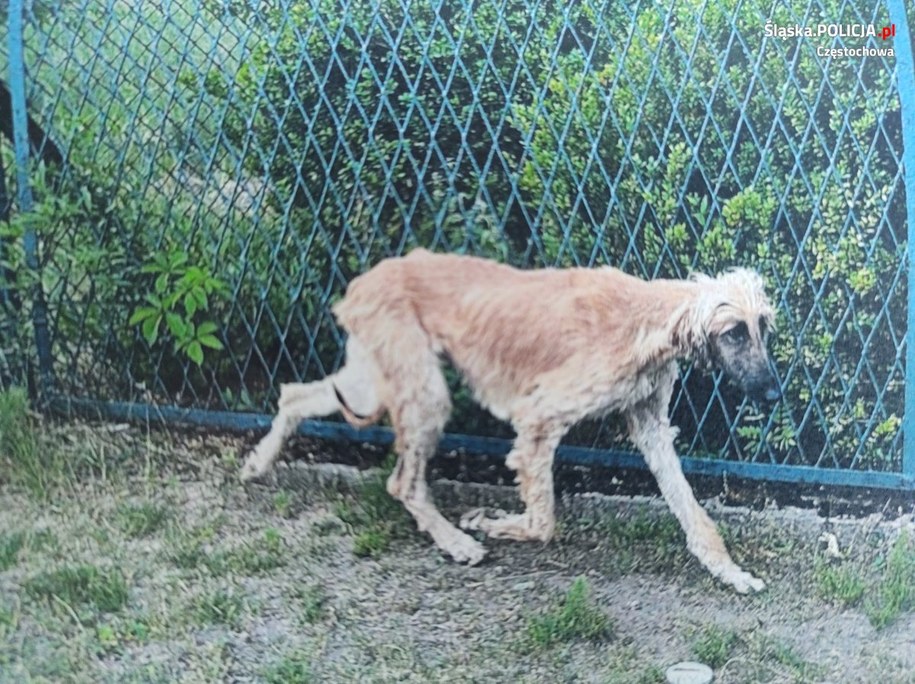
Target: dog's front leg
{"x": 654, "y": 437}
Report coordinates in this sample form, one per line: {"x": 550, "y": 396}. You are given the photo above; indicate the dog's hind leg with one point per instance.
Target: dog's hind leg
{"x": 297, "y": 402}
{"x": 419, "y": 410}
{"x": 352, "y": 390}
{"x": 532, "y": 458}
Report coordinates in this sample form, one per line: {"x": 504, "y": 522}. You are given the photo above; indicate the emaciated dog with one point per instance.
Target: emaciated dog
{"x": 543, "y": 349}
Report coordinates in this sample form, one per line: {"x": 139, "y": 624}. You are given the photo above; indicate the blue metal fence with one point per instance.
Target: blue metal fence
{"x": 197, "y": 182}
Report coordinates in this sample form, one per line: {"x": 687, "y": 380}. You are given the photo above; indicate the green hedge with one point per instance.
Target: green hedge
{"x": 553, "y": 133}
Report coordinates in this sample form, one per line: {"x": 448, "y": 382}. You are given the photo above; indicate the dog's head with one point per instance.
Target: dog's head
{"x": 730, "y": 327}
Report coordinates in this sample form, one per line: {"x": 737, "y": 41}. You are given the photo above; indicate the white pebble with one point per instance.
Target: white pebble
{"x": 689, "y": 673}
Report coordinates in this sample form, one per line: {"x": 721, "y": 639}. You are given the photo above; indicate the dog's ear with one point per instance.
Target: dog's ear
{"x": 689, "y": 337}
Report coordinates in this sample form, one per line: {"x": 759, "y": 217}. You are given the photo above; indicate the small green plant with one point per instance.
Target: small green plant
{"x": 841, "y": 583}
{"x": 575, "y": 617}
{"x": 11, "y": 544}
{"x": 141, "y": 520}
{"x": 886, "y": 585}
{"x": 714, "y": 645}
{"x": 181, "y": 295}
{"x": 107, "y": 638}
{"x": 103, "y": 589}
{"x": 292, "y": 669}
{"x": 138, "y": 630}
{"x": 372, "y": 542}
{"x": 115, "y": 635}
{"x": 282, "y": 503}
{"x": 895, "y": 592}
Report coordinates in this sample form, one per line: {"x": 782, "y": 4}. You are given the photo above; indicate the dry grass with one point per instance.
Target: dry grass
{"x": 148, "y": 563}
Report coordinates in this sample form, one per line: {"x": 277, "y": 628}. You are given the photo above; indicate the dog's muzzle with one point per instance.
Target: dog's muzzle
{"x": 765, "y": 389}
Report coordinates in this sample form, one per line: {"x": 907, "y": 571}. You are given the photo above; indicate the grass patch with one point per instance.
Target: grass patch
{"x": 886, "y": 585}
{"x": 191, "y": 549}
{"x": 895, "y": 593}
{"x": 786, "y": 656}
{"x": 35, "y": 460}
{"x": 218, "y": 608}
{"x": 189, "y": 555}
{"x": 768, "y": 659}
{"x": 714, "y": 645}
{"x": 113, "y": 637}
{"x": 640, "y": 540}
{"x": 105, "y": 590}
{"x": 292, "y": 669}
{"x": 574, "y": 617}
{"x": 661, "y": 529}
{"x": 259, "y": 557}
{"x": 141, "y": 520}
{"x": 372, "y": 542}
{"x": 282, "y": 503}
{"x": 754, "y": 657}
{"x": 624, "y": 667}
{"x": 11, "y": 543}
{"x": 842, "y": 584}
{"x": 252, "y": 558}
{"x": 249, "y": 559}
{"x": 373, "y": 515}
{"x": 25, "y": 461}
{"x": 312, "y": 602}
{"x": 329, "y": 526}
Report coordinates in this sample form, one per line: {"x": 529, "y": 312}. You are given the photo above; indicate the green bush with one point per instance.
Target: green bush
{"x": 657, "y": 138}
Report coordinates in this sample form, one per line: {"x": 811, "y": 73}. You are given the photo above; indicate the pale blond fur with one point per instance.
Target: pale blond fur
{"x": 543, "y": 349}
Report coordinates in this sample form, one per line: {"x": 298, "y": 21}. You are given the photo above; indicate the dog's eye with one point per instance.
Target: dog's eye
{"x": 738, "y": 333}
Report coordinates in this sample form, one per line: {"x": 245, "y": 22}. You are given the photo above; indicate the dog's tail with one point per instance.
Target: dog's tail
{"x": 355, "y": 419}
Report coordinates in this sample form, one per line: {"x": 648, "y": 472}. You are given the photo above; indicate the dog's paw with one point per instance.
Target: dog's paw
{"x": 253, "y": 469}
{"x": 744, "y": 582}
{"x": 475, "y": 518}
{"x": 467, "y": 550}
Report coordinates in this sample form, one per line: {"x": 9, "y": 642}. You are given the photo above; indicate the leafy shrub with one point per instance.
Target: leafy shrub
{"x": 657, "y": 138}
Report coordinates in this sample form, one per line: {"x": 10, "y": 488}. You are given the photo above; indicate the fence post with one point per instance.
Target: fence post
{"x": 905, "y": 79}
{"x": 9, "y": 302}
{"x": 24, "y": 193}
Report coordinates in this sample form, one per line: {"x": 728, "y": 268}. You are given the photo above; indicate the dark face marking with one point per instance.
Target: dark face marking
{"x": 741, "y": 353}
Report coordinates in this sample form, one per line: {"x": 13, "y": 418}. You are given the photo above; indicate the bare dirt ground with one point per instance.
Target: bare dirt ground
{"x": 314, "y": 576}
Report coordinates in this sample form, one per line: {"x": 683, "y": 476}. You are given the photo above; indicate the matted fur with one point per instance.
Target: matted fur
{"x": 543, "y": 349}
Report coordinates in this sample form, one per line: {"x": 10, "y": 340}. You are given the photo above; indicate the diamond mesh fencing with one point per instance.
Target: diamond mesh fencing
{"x": 207, "y": 176}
